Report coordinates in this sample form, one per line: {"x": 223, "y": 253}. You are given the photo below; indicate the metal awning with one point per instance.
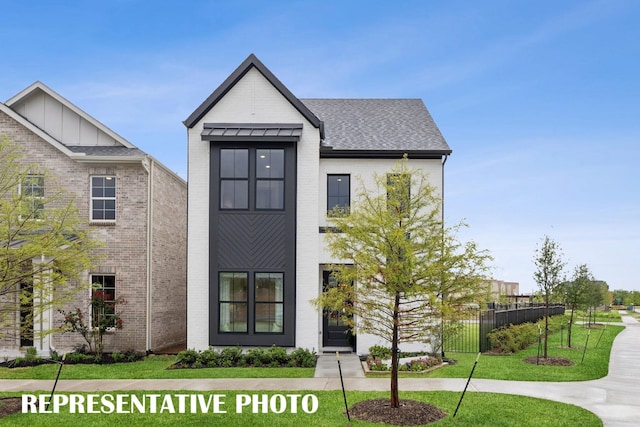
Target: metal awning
{"x": 248, "y": 132}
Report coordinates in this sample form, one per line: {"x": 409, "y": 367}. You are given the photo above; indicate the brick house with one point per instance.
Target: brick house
{"x": 265, "y": 167}
{"x": 132, "y": 203}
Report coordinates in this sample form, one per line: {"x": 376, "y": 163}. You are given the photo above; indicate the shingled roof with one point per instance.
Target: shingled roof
{"x": 381, "y": 126}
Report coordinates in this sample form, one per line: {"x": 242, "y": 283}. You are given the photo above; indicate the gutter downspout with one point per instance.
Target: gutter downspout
{"x": 147, "y": 163}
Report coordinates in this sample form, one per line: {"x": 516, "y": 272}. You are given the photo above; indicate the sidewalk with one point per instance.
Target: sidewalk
{"x": 614, "y": 398}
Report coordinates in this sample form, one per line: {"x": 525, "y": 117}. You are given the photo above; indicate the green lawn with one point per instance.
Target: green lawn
{"x": 477, "y": 409}
{"x": 512, "y": 367}
{"x": 152, "y": 367}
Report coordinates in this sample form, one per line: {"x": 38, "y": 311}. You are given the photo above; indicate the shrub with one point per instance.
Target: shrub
{"x": 210, "y": 358}
{"x": 277, "y": 355}
{"x": 230, "y": 356}
{"x": 187, "y": 357}
{"x": 380, "y": 352}
{"x": 303, "y": 358}
{"x": 117, "y": 357}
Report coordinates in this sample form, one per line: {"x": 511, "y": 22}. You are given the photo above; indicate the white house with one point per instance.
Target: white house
{"x": 264, "y": 169}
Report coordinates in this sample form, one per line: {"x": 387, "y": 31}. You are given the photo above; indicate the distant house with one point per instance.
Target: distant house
{"x": 265, "y": 167}
{"x": 132, "y": 203}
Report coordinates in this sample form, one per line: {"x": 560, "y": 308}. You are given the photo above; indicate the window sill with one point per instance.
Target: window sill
{"x": 102, "y": 223}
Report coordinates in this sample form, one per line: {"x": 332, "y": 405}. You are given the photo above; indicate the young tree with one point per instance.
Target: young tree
{"x": 548, "y": 276}
{"x": 575, "y": 293}
{"x": 43, "y": 249}
{"x": 402, "y": 262}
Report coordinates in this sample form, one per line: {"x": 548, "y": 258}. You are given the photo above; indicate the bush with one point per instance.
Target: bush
{"x": 187, "y": 357}
{"x": 257, "y": 357}
{"x": 513, "y": 338}
{"x": 117, "y": 357}
{"x": 303, "y": 358}
{"x": 380, "y": 352}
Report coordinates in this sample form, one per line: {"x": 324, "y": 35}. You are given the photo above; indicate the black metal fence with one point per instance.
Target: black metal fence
{"x": 469, "y": 334}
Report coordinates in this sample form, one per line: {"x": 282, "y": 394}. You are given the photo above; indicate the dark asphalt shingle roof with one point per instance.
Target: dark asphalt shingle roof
{"x": 107, "y": 151}
{"x": 378, "y": 125}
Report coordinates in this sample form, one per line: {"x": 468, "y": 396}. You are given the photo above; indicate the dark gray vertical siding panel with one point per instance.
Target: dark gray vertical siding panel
{"x": 253, "y": 241}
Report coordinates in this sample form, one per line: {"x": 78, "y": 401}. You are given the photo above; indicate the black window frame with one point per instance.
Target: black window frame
{"x": 253, "y": 180}
{"x": 101, "y": 280}
{"x": 233, "y": 302}
{"x": 343, "y": 209}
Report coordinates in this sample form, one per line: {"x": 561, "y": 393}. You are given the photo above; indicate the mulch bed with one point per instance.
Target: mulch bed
{"x": 10, "y": 406}
{"x": 410, "y": 412}
{"x": 549, "y": 361}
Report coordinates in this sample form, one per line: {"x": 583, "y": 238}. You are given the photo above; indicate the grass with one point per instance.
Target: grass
{"x": 601, "y": 316}
{"x": 152, "y": 367}
{"x": 477, "y": 409}
{"x": 512, "y": 367}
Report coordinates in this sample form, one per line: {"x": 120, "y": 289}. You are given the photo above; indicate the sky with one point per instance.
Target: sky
{"x": 539, "y": 100}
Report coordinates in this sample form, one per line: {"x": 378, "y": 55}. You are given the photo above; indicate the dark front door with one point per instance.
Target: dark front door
{"x": 335, "y": 332}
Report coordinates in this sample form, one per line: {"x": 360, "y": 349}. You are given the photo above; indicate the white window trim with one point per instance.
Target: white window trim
{"x": 91, "y": 199}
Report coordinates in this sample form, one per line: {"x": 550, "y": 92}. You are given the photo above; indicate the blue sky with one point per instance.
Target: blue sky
{"x": 539, "y": 100}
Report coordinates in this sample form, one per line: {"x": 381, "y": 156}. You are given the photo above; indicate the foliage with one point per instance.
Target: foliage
{"x": 409, "y": 270}
{"x": 548, "y": 275}
{"x": 103, "y": 318}
{"x": 625, "y": 297}
{"x": 228, "y": 357}
{"x": 513, "y": 338}
{"x": 576, "y": 293}
{"x": 43, "y": 246}
{"x": 380, "y": 352}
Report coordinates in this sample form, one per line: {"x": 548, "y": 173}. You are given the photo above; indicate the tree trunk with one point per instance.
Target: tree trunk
{"x": 395, "y": 400}
{"x": 546, "y": 326}
{"x": 569, "y": 328}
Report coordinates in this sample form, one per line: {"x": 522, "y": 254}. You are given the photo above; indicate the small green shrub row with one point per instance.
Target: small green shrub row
{"x": 513, "y": 338}
{"x": 31, "y": 358}
{"x": 230, "y": 357}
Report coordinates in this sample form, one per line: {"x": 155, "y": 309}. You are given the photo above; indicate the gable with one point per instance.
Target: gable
{"x": 62, "y": 120}
{"x": 247, "y": 71}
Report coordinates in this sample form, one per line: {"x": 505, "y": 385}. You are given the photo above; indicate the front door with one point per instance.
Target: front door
{"x": 335, "y": 332}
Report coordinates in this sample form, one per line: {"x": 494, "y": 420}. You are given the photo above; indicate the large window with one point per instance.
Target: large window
{"x": 233, "y": 302}
{"x": 32, "y": 190}
{"x": 269, "y": 179}
{"x": 251, "y": 179}
{"x": 104, "y": 288}
{"x": 103, "y": 198}
{"x": 234, "y": 179}
{"x": 269, "y": 303}
{"x": 338, "y": 190}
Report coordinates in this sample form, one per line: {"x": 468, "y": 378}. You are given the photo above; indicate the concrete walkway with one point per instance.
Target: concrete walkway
{"x": 615, "y": 398}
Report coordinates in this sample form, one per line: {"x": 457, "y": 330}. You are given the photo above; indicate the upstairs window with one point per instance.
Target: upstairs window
{"x": 234, "y": 178}
{"x": 103, "y": 198}
{"x": 251, "y": 179}
{"x": 269, "y": 179}
{"x": 32, "y": 190}
{"x": 338, "y": 195}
